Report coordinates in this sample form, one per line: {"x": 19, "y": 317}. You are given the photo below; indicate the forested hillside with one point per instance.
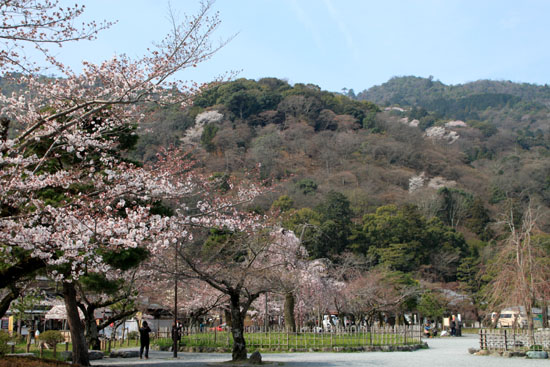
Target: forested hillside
{"x": 411, "y": 90}
{"x": 418, "y": 180}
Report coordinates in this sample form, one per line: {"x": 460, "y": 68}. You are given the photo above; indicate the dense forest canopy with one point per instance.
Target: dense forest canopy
{"x": 471, "y": 149}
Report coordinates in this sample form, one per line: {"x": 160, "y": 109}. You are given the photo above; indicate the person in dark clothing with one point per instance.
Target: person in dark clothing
{"x": 453, "y": 328}
{"x": 176, "y": 331}
{"x": 144, "y": 331}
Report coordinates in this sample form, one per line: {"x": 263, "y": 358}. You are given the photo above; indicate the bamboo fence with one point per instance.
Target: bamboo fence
{"x": 305, "y": 339}
{"x": 513, "y": 339}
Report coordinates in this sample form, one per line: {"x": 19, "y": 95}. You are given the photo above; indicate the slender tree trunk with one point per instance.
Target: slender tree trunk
{"x": 227, "y": 315}
{"x": 494, "y": 323}
{"x": 544, "y": 315}
{"x": 80, "y": 349}
{"x": 530, "y": 323}
{"x": 193, "y": 320}
{"x": 237, "y": 328}
{"x": 290, "y": 321}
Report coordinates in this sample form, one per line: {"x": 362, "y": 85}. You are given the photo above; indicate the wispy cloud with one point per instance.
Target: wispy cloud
{"x": 342, "y": 26}
{"x": 306, "y": 21}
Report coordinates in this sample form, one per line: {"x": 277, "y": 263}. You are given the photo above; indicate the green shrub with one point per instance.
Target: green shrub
{"x": 20, "y": 339}
{"x": 164, "y": 343}
{"x": 51, "y": 337}
{"x": 134, "y": 335}
{"x": 307, "y": 186}
{"x": 4, "y": 338}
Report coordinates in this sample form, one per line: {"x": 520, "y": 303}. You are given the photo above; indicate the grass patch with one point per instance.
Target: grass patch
{"x": 297, "y": 341}
{"x": 48, "y": 353}
{"x": 163, "y": 343}
{"x": 9, "y": 361}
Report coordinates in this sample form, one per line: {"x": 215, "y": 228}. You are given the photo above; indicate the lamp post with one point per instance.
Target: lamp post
{"x": 266, "y": 318}
{"x": 175, "y": 327}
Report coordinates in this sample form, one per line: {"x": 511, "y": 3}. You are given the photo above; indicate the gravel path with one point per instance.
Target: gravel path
{"x": 451, "y": 352}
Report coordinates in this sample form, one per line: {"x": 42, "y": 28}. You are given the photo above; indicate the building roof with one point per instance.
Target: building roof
{"x": 59, "y": 312}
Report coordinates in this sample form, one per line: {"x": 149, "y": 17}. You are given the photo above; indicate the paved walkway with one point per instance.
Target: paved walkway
{"x": 443, "y": 352}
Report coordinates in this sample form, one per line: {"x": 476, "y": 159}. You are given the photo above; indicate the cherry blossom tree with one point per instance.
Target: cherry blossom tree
{"x": 287, "y": 276}
{"x": 231, "y": 264}
{"x": 67, "y": 197}
{"x": 317, "y": 290}
{"x": 377, "y": 291}
{"x": 195, "y": 298}
{"x": 41, "y": 24}
{"x": 266, "y": 307}
{"x": 198, "y": 299}
{"x": 116, "y": 290}
{"x": 238, "y": 256}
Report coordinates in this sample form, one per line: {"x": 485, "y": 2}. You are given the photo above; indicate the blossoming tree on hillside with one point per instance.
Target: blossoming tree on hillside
{"x": 66, "y": 196}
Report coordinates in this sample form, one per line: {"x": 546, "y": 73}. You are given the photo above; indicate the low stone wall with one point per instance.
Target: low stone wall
{"x": 532, "y": 354}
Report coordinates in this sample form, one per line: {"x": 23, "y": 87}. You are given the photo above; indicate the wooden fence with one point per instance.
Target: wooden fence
{"x": 306, "y": 339}
{"x": 513, "y": 339}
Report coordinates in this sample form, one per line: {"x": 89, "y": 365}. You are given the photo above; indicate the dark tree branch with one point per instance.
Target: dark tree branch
{"x": 26, "y": 266}
{"x": 8, "y": 299}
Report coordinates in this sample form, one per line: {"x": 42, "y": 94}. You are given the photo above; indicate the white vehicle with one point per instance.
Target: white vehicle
{"x": 511, "y": 318}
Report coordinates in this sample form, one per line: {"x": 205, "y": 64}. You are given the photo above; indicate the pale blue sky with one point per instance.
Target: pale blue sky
{"x": 346, "y": 43}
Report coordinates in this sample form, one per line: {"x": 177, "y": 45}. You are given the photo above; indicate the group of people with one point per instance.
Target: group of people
{"x": 430, "y": 329}
{"x": 144, "y": 339}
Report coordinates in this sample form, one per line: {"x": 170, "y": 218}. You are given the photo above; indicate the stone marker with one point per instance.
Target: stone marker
{"x": 255, "y": 358}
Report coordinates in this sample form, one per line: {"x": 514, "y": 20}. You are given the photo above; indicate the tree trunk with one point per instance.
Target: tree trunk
{"x": 544, "y": 315}
{"x": 92, "y": 333}
{"x": 80, "y": 349}
{"x": 237, "y": 329}
{"x": 530, "y": 324}
{"x": 290, "y": 321}
{"x": 494, "y": 322}
{"x": 227, "y": 315}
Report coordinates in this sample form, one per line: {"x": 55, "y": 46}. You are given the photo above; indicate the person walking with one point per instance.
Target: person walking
{"x": 144, "y": 331}
{"x": 453, "y": 327}
{"x": 177, "y": 331}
